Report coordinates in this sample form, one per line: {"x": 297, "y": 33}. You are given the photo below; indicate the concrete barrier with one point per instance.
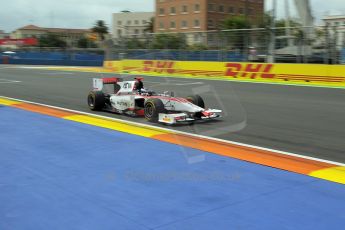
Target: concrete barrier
{"x": 332, "y": 75}
{"x": 52, "y": 58}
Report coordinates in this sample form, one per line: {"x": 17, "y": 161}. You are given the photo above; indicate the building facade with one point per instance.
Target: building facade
{"x": 131, "y": 23}
{"x": 70, "y": 36}
{"x": 203, "y": 15}
{"x": 336, "y": 25}
{"x": 3, "y": 34}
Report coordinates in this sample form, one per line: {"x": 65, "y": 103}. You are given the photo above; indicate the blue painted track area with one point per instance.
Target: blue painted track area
{"x": 59, "y": 174}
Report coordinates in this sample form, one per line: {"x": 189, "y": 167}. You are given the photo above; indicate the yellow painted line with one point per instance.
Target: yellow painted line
{"x": 114, "y": 125}
{"x": 336, "y": 174}
{"x": 8, "y": 102}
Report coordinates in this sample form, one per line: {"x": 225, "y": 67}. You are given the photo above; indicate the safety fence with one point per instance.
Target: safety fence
{"x": 282, "y": 44}
{"x": 183, "y": 55}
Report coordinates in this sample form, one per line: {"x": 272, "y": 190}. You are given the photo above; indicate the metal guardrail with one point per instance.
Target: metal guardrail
{"x": 53, "y": 56}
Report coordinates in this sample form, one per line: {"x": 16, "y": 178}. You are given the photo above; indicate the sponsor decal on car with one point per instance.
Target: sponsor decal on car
{"x": 167, "y": 119}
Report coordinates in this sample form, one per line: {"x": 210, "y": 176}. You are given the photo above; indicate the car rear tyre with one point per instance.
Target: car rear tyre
{"x": 96, "y": 100}
{"x": 196, "y": 100}
{"x": 152, "y": 108}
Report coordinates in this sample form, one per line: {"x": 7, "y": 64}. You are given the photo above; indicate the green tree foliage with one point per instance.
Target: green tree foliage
{"x": 237, "y": 22}
{"x": 100, "y": 28}
{"x": 51, "y": 40}
{"x": 235, "y": 39}
{"x": 168, "y": 41}
{"x": 150, "y": 25}
{"x": 267, "y": 20}
{"x": 280, "y": 31}
{"x": 197, "y": 47}
{"x": 320, "y": 33}
{"x": 134, "y": 43}
{"x": 86, "y": 43}
{"x": 283, "y": 23}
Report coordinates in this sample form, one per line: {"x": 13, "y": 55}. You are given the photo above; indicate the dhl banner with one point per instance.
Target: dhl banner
{"x": 115, "y": 66}
{"x": 264, "y": 72}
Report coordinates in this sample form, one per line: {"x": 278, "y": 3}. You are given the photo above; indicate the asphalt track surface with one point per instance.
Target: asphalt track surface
{"x": 303, "y": 120}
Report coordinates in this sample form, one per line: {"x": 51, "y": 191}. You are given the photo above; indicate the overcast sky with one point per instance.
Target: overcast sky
{"x": 82, "y": 14}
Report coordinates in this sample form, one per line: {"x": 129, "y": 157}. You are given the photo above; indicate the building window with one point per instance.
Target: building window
{"x": 240, "y": 11}
{"x": 250, "y": 11}
{"x": 144, "y": 22}
{"x": 136, "y": 31}
{"x": 119, "y": 32}
{"x": 161, "y": 11}
{"x": 172, "y": 10}
{"x": 184, "y": 24}
{"x": 197, "y": 37}
{"x": 221, "y": 9}
{"x": 184, "y": 9}
{"x": 231, "y": 10}
{"x": 196, "y": 8}
{"x": 210, "y": 7}
{"x": 210, "y": 23}
{"x": 161, "y": 25}
{"x": 196, "y": 23}
{"x": 129, "y": 22}
{"x": 119, "y": 23}
{"x": 172, "y": 25}
{"x": 136, "y": 22}
{"x": 210, "y": 37}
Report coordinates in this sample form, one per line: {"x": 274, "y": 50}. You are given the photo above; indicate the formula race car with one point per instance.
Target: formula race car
{"x": 131, "y": 98}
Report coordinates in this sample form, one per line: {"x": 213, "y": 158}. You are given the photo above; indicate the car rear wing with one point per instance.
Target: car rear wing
{"x": 98, "y": 83}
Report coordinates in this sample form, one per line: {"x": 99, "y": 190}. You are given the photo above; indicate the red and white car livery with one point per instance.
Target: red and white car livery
{"x": 128, "y": 97}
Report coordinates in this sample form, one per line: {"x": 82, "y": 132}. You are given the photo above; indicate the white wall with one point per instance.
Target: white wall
{"x": 338, "y": 23}
{"x": 130, "y": 23}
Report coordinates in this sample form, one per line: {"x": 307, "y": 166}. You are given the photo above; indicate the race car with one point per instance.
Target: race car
{"x": 131, "y": 98}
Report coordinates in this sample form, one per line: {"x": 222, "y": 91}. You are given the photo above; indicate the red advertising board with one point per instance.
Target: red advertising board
{"x": 19, "y": 42}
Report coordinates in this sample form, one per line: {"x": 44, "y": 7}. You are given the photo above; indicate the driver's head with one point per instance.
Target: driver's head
{"x": 138, "y": 83}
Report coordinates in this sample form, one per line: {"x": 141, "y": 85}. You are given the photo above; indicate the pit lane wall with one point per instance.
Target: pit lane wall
{"x": 313, "y": 74}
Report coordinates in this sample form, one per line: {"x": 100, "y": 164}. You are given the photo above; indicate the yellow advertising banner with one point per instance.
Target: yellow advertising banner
{"x": 241, "y": 71}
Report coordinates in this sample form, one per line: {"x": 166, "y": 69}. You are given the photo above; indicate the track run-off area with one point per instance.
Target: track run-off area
{"x": 66, "y": 168}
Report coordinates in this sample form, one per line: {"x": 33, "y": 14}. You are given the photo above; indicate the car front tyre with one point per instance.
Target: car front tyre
{"x": 196, "y": 100}
{"x": 152, "y": 108}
